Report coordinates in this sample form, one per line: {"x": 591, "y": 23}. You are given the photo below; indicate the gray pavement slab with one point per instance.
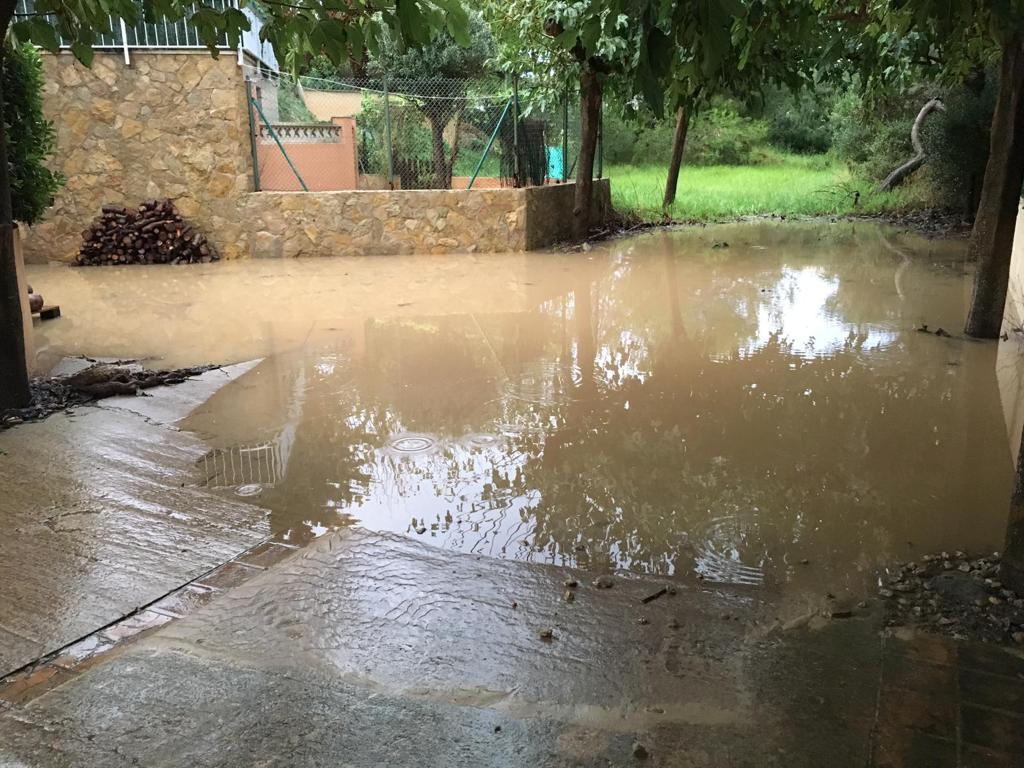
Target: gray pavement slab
{"x": 101, "y": 514}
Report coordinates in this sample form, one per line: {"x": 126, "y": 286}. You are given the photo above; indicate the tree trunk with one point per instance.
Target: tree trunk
{"x": 590, "y": 117}
{"x": 442, "y": 170}
{"x": 14, "y": 392}
{"x": 992, "y": 235}
{"x": 674, "y": 163}
{"x": 1012, "y": 571}
{"x": 897, "y": 177}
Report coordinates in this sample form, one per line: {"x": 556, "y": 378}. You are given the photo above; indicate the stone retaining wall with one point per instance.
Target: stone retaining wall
{"x": 367, "y": 222}
{"x": 175, "y": 124}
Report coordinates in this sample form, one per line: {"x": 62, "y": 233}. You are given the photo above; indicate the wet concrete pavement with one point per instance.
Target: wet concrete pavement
{"x": 101, "y": 515}
{"x": 368, "y": 649}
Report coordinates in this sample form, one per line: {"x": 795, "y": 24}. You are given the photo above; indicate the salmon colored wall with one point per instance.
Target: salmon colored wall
{"x": 325, "y": 167}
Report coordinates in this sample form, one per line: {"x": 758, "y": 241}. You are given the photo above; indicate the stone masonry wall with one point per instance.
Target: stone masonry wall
{"x": 367, "y": 222}
{"x": 175, "y": 125}
{"x": 170, "y": 125}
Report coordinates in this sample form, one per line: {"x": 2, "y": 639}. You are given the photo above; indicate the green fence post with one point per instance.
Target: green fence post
{"x": 280, "y": 146}
{"x": 387, "y": 136}
{"x": 565, "y": 135}
{"x": 253, "y": 137}
{"x": 490, "y": 143}
{"x": 515, "y": 128}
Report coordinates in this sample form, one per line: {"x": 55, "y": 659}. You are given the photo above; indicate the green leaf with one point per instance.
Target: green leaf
{"x": 83, "y": 52}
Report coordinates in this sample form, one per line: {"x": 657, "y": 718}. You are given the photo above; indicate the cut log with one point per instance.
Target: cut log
{"x": 152, "y": 233}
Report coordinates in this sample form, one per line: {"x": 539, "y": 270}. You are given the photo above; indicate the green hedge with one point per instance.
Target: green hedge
{"x": 30, "y": 136}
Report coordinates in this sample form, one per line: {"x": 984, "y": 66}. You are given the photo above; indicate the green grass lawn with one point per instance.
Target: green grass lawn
{"x": 792, "y": 185}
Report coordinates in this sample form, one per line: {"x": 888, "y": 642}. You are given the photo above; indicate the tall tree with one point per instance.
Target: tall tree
{"x": 737, "y": 50}
{"x": 297, "y": 29}
{"x": 994, "y": 223}
{"x": 436, "y": 78}
{"x": 949, "y": 41}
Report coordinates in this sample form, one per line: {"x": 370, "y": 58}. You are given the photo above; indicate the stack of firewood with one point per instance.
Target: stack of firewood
{"x": 153, "y": 233}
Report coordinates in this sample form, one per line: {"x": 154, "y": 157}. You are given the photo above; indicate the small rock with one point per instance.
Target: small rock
{"x": 947, "y": 565}
{"x": 570, "y": 583}
{"x": 1009, "y": 594}
{"x": 642, "y": 620}
{"x": 604, "y": 581}
{"x": 886, "y": 592}
{"x": 904, "y": 586}
{"x": 964, "y": 568}
{"x": 497, "y": 729}
{"x": 640, "y": 751}
{"x": 993, "y": 600}
{"x": 945, "y": 621}
{"x": 546, "y": 634}
{"x": 1018, "y": 638}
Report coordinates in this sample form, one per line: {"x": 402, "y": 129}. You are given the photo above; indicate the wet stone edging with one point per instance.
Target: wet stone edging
{"x": 42, "y": 675}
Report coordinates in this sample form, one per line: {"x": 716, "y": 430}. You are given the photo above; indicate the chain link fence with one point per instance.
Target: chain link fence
{"x": 317, "y": 134}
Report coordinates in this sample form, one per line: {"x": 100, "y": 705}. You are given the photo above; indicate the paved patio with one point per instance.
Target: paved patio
{"x": 368, "y": 649}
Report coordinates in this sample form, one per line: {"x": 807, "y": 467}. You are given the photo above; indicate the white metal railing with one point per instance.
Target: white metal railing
{"x": 171, "y": 35}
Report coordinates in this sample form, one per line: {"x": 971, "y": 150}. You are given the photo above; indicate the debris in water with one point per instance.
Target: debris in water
{"x": 654, "y": 595}
{"x": 643, "y": 620}
{"x": 957, "y": 595}
{"x": 604, "y": 581}
{"x": 497, "y": 729}
{"x": 943, "y": 332}
{"x": 805, "y": 561}
{"x": 546, "y": 634}
{"x": 640, "y": 751}
{"x": 52, "y": 394}
{"x": 673, "y": 624}
{"x": 570, "y": 583}
{"x": 421, "y": 529}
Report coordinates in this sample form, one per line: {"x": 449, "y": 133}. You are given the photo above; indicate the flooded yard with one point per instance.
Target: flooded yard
{"x": 750, "y": 403}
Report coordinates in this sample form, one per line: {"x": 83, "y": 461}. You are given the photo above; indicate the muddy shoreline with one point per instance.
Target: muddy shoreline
{"x": 930, "y": 223}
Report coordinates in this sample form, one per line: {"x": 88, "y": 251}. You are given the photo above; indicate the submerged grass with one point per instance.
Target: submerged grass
{"x": 791, "y": 185}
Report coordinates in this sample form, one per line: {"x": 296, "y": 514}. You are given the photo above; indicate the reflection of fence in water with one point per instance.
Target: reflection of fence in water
{"x": 261, "y": 464}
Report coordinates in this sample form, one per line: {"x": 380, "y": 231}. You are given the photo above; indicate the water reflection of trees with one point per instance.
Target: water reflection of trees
{"x": 648, "y": 418}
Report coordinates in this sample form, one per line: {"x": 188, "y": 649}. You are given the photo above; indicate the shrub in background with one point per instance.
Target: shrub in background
{"x": 872, "y": 138}
{"x": 957, "y": 143}
{"x": 799, "y": 122}
{"x": 30, "y": 136}
{"x": 719, "y": 135}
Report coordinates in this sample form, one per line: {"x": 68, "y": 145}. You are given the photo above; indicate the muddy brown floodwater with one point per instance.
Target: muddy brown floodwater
{"x": 761, "y": 412}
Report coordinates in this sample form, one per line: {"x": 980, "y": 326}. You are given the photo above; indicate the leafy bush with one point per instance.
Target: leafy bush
{"x": 410, "y": 134}
{"x": 872, "y": 138}
{"x": 30, "y": 136}
{"x": 722, "y": 136}
{"x": 719, "y": 135}
{"x": 957, "y": 143}
{"x": 799, "y": 122}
